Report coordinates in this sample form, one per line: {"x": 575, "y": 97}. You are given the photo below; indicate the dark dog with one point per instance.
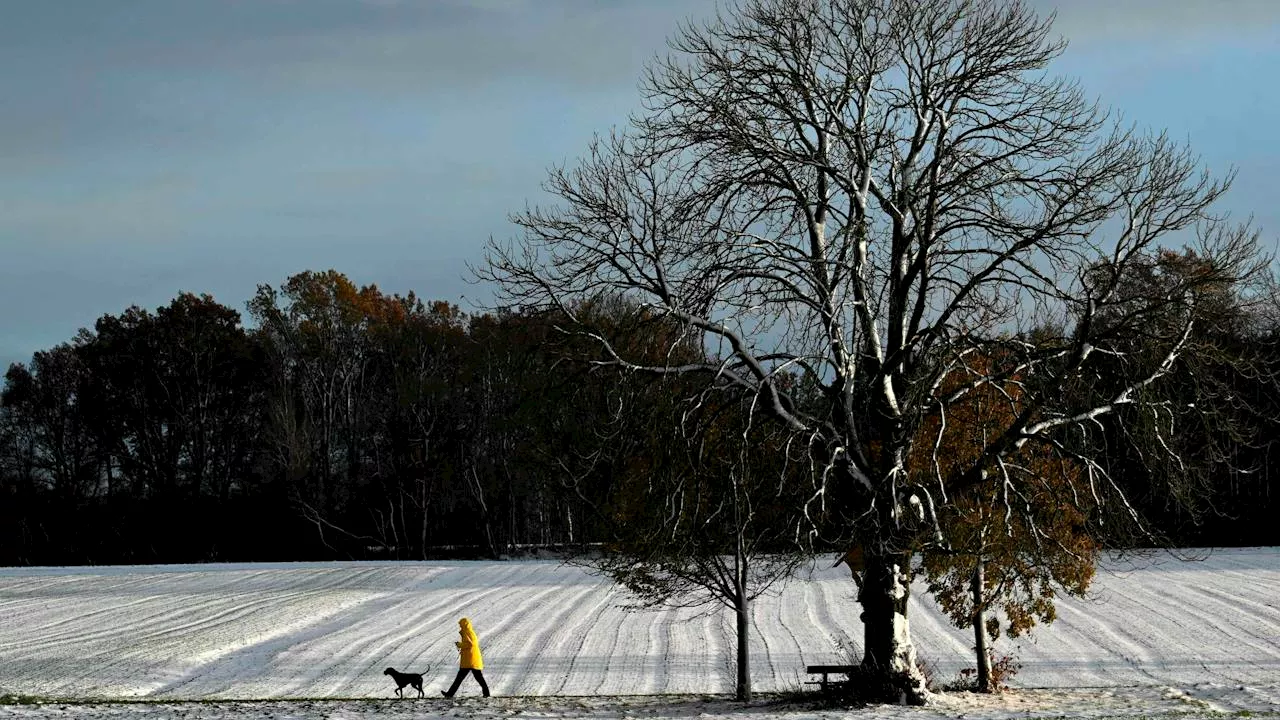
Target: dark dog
{"x": 402, "y": 679}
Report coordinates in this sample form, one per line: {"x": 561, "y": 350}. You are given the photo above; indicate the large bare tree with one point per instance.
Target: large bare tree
{"x": 888, "y": 198}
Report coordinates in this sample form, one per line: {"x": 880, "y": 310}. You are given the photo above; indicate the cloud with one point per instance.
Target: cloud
{"x": 1180, "y": 21}
{"x": 85, "y": 76}
{"x": 464, "y": 41}
{"x": 581, "y": 44}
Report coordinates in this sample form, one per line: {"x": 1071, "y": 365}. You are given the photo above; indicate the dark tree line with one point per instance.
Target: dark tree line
{"x": 1221, "y": 489}
{"x": 342, "y": 422}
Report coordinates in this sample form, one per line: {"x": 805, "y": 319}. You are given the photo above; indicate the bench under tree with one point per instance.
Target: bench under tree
{"x": 828, "y": 670}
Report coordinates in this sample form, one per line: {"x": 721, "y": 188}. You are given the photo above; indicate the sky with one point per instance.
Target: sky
{"x": 150, "y": 147}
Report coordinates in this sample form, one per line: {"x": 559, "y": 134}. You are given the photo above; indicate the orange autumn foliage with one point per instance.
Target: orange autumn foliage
{"x": 1020, "y": 522}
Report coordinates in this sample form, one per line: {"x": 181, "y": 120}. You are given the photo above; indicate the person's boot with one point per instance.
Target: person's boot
{"x": 445, "y": 693}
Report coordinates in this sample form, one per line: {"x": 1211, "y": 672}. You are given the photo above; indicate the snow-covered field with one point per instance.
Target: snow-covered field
{"x": 311, "y": 640}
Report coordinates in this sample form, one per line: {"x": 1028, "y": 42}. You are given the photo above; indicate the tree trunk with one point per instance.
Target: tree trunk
{"x": 486, "y": 524}
{"x": 744, "y": 655}
{"x": 980, "y": 630}
{"x": 743, "y": 611}
{"x": 886, "y": 588}
{"x": 422, "y": 534}
{"x": 742, "y": 603}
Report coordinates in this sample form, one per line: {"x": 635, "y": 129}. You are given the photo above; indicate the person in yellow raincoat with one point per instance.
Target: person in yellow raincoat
{"x": 469, "y": 659}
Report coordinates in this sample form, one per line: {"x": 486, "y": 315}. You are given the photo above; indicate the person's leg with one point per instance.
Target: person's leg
{"x": 480, "y": 679}
{"x": 462, "y": 672}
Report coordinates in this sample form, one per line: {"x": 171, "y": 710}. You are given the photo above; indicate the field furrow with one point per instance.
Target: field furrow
{"x": 325, "y": 630}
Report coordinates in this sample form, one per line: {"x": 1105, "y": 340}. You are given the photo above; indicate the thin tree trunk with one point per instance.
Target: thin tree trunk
{"x": 744, "y": 654}
{"x": 742, "y": 604}
{"x": 980, "y": 629}
{"x": 486, "y": 524}
{"x": 886, "y": 588}
{"x": 422, "y": 530}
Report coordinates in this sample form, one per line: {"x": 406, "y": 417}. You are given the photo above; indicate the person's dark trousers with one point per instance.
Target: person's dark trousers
{"x": 462, "y": 673}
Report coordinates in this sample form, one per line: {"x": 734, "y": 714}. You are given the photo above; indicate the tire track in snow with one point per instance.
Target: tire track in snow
{"x": 723, "y": 628}
{"x": 603, "y": 654}
{"x": 167, "y": 645}
{"x": 508, "y": 614}
{"x": 178, "y": 603}
{"x": 258, "y": 620}
{"x": 940, "y": 645}
{"x": 650, "y": 660}
{"x": 502, "y": 616}
{"x": 845, "y": 625}
{"x": 1222, "y": 613}
{"x": 758, "y": 648}
{"x": 117, "y": 651}
{"x": 1103, "y": 652}
{"x": 822, "y": 598}
{"x": 228, "y": 669}
{"x": 631, "y": 661}
{"x": 1166, "y": 614}
{"x": 1164, "y": 610}
{"x": 800, "y": 610}
{"x": 529, "y": 671}
{"x": 370, "y": 643}
{"x": 1265, "y": 614}
{"x": 71, "y": 629}
{"x": 660, "y": 647}
{"x": 488, "y": 609}
{"x": 385, "y": 632}
{"x": 1068, "y": 656}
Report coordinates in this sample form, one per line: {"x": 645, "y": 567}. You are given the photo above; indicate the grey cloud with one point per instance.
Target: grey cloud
{"x": 86, "y": 74}
{"x": 1090, "y": 21}
{"x": 458, "y": 45}
{"x": 469, "y": 40}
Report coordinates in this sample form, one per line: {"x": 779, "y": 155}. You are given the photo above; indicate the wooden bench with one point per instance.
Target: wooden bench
{"x": 826, "y": 670}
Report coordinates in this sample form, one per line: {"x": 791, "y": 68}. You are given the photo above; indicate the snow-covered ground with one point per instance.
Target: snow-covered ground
{"x": 311, "y": 640}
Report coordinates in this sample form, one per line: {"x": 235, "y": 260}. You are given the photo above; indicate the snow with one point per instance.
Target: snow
{"x": 310, "y": 640}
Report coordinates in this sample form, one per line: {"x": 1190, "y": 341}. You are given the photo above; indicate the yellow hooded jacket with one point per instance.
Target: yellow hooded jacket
{"x": 469, "y": 647}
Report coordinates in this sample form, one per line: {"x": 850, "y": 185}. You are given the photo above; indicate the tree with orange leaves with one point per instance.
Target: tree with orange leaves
{"x": 995, "y": 559}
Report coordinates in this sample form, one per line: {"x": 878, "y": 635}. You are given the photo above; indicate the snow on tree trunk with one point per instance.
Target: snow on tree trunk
{"x": 886, "y": 588}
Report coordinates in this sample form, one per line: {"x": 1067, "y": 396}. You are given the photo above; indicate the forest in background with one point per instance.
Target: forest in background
{"x": 341, "y": 422}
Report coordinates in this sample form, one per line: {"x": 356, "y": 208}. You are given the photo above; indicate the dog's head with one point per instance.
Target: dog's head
{"x": 389, "y": 671}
